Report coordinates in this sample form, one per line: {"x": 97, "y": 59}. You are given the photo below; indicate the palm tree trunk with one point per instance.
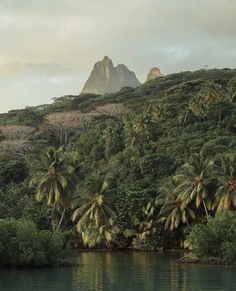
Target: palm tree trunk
{"x": 108, "y": 244}
{"x": 206, "y": 211}
{"x": 52, "y": 212}
{"x": 62, "y": 217}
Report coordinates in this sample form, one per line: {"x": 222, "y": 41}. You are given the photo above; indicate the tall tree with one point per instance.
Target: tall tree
{"x": 53, "y": 176}
{"x": 193, "y": 181}
{"x": 225, "y": 197}
{"x": 93, "y": 214}
{"x": 211, "y": 91}
{"x": 173, "y": 211}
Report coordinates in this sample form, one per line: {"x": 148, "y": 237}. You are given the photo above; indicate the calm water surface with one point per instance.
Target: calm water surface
{"x": 136, "y": 271}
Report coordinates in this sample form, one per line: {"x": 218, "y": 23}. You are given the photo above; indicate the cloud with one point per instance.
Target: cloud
{"x": 61, "y": 39}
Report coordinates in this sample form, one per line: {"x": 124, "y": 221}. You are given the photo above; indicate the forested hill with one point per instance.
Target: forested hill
{"x": 168, "y": 91}
{"x": 137, "y": 140}
{"x": 172, "y": 116}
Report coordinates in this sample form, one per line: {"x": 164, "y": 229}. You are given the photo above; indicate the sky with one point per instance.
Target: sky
{"x": 48, "y": 47}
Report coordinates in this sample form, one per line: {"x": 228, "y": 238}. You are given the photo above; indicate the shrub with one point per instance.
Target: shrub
{"x": 12, "y": 171}
{"x": 22, "y": 244}
{"x": 216, "y": 238}
{"x": 153, "y": 242}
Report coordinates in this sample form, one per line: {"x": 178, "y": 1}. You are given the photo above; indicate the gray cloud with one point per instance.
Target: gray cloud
{"x": 48, "y": 47}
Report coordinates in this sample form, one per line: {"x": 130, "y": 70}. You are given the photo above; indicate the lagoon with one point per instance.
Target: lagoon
{"x": 121, "y": 271}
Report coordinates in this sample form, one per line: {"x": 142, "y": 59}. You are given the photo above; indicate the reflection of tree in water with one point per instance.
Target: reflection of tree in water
{"x": 160, "y": 272}
{"x": 147, "y": 271}
{"x": 178, "y": 278}
{"x": 121, "y": 271}
{"x": 128, "y": 271}
{"x": 96, "y": 271}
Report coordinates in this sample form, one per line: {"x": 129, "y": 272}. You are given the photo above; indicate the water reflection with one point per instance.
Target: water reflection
{"x": 121, "y": 271}
{"x": 148, "y": 271}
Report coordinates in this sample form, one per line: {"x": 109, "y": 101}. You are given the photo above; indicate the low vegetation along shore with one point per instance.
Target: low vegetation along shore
{"x": 151, "y": 168}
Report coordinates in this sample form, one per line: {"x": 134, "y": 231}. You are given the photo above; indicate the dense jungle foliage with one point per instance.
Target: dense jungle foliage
{"x": 139, "y": 171}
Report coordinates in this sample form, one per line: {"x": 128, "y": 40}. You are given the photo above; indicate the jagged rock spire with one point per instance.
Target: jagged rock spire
{"x": 105, "y": 78}
{"x": 153, "y": 74}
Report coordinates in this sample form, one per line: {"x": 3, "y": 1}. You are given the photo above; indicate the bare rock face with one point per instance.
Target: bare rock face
{"x": 153, "y": 74}
{"x": 105, "y": 78}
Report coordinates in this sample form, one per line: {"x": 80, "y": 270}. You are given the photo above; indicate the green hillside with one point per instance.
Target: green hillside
{"x": 187, "y": 83}
{"x": 126, "y": 146}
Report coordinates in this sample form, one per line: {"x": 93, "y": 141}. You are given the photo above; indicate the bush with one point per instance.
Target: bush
{"x": 22, "y": 244}
{"x": 37, "y": 212}
{"x": 153, "y": 242}
{"x": 13, "y": 199}
{"x": 17, "y": 201}
{"x": 12, "y": 171}
{"x": 217, "y": 238}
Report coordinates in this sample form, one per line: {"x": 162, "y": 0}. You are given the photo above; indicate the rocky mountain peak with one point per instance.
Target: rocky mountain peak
{"x": 107, "y": 62}
{"x": 153, "y": 73}
{"x": 105, "y": 78}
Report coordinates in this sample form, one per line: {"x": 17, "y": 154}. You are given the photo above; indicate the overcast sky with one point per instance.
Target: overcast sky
{"x": 48, "y": 47}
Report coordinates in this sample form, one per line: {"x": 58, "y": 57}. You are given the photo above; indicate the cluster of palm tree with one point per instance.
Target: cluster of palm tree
{"x": 55, "y": 179}
{"x": 210, "y": 98}
{"x": 199, "y": 189}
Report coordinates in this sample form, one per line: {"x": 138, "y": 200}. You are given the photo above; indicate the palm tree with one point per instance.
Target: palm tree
{"x": 93, "y": 214}
{"x": 175, "y": 215}
{"x": 53, "y": 176}
{"x": 93, "y": 235}
{"x": 193, "y": 181}
{"x": 210, "y": 91}
{"x": 198, "y": 108}
{"x": 173, "y": 212}
{"x": 143, "y": 229}
{"x": 231, "y": 93}
{"x": 225, "y": 197}
{"x": 154, "y": 112}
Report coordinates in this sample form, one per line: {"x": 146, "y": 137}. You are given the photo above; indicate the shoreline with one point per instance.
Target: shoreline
{"x": 205, "y": 261}
{"x": 69, "y": 262}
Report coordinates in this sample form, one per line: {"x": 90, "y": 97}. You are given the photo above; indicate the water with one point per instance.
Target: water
{"x": 121, "y": 271}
